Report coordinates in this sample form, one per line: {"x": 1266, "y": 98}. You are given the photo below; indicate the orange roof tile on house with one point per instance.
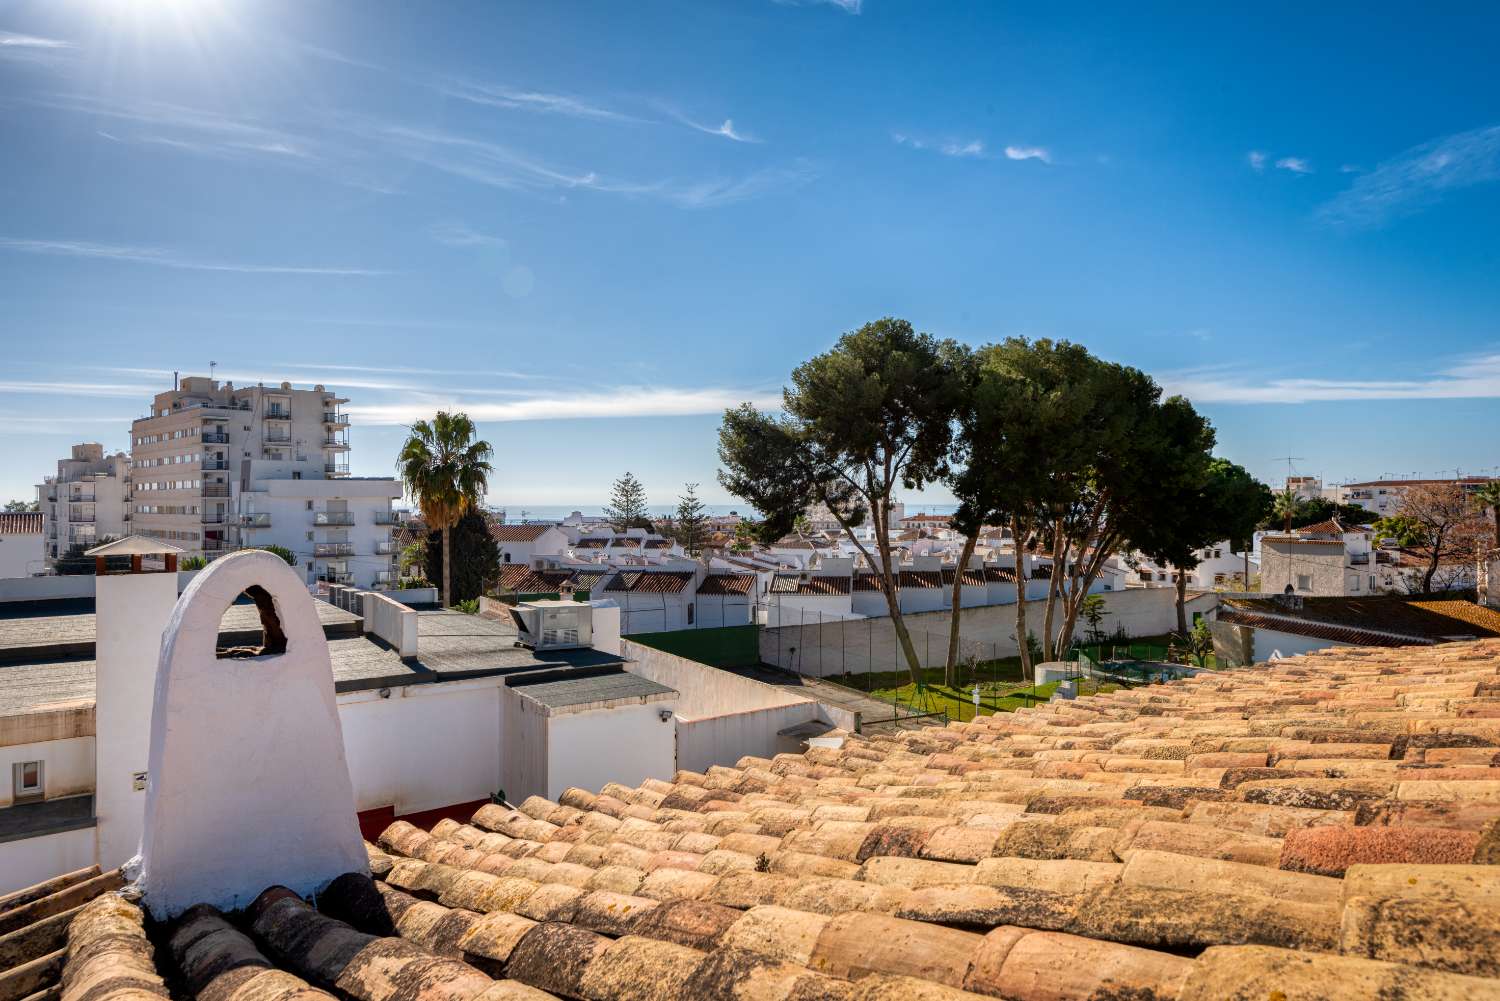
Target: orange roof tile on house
{"x": 649, "y": 581}
{"x": 1317, "y": 828}
{"x": 1378, "y": 620}
{"x": 787, "y": 583}
{"x": 517, "y": 533}
{"x": 591, "y": 543}
{"x": 718, "y": 583}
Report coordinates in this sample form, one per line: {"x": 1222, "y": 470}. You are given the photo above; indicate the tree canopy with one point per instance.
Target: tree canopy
{"x": 446, "y": 470}
{"x": 627, "y": 505}
{"x": 475, "y": 556}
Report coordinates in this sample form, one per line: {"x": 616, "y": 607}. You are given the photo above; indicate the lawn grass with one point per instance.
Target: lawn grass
{"x": 722, "y": 646}
{"x": 959, "y": 702}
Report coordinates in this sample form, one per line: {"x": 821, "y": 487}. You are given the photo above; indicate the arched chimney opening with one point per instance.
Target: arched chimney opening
{"x": 272, "y": 638}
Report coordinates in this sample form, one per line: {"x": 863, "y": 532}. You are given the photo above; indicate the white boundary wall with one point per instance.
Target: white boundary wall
{"x": 832, "y": 647}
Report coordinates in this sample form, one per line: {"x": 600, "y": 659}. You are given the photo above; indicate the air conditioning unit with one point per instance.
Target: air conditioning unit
{"x": 553, "y": 625}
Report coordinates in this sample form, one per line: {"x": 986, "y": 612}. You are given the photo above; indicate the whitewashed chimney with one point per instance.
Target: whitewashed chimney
{"x": 249, "y": 786}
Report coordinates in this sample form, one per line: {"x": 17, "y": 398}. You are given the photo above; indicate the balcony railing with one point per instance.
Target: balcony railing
{"x": 215, "y": 546}
{"x": 336, "y": 577}
{"x": 215, "y": 490}
{"x": 80, "y": 497}
{"x": 80, "y": 519}
{"x": 336, "y": 443}
{"x": 333, "y": 549}
{"x": 214, "y": 438}
{"x": 385, "y": 518}
{"x": 336, "y": 468}
{"x": 384, "y": 548}
{"x": 335, "y": 418}
{"x": 213, "y": 517}
{"x": 278, "y": 415}
{"x": 215, "y": 464}
{"x": 333, "y": 518}
{"x": 258, "y": 519}
{"x": 278, "y": 439}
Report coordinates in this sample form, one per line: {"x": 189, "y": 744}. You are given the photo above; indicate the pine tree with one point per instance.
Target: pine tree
{"x": 690, "y": 520}
{"x": 627, "y": 504}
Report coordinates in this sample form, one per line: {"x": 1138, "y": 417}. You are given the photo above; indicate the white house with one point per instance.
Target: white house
{"x": 652, "y": 600}
{"x": 22, "y": 552}
{"x": 519, "y": 543}
{"x": 1219, "y": 566}
{"x": 726, "y": 599}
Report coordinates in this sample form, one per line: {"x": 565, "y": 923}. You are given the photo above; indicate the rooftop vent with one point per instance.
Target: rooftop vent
{"x": 553, "y": 625}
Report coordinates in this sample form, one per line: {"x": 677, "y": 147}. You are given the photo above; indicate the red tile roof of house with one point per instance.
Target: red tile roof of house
{"x": 1316, "y": 828}
{"x": 518, "y": 533}
{"x": 650, "y": 581}
{"x": 786, "y": 583}
{"x": 21, "y": 523}
{"x": 717, "y": 583}
{"x": 1415, "y": 619}
{"x": 591, "y": 543}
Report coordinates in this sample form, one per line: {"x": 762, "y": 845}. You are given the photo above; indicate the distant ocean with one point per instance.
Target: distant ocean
{"x": 557, "y": 512}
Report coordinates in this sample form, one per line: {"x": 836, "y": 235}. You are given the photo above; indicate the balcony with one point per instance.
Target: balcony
{"x": 215, "y": 490}
{"x": 258, "y": 519}
{"x": 384, "y": 548}
{"x": 333, "y": 549}
{"x": 80, "y": 519}
{"x": 215, "y": 464}
{"x": 81, "y": 497}
{"x": 215, "y": 546}
{"x": 278, "y": 414}
{"x": 335, "y": 418}
{"x": 213, "y": 518}
{"x": 336, "y": 444}
{"x": 336, "y": 577}
{"x": 386, "y": 518}
{"x": 336, "y": 469}
{"x": 333, "y": 518}
{"x": 214, "y": 438}
{"x": 277, "y": 438}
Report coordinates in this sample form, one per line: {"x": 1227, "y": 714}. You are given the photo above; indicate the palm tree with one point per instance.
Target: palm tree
{"x": 1287, "y": 506}
{"x": 1489, "y": 496}
{"x": 446, "y": 471}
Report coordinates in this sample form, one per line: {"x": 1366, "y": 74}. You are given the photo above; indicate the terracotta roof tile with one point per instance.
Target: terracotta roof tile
{"x": 786, "y": 583}
{"x": 727, "y": 584}
{"x": 649, "y": 581}
{"x": 517, "y": 533}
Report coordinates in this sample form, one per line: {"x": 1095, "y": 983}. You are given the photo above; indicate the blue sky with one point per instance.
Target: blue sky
{"x": 595, "y": 225}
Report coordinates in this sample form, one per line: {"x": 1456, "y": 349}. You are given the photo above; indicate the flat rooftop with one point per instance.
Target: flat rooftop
{"x": 561, "y": 693}
{"x": 49, "y": 658}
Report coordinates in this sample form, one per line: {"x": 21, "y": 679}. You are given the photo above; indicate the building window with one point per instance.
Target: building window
{"x": 1304, "y": 582}
{"x": 690, "y": 613}
{"x": 27, "y": 779}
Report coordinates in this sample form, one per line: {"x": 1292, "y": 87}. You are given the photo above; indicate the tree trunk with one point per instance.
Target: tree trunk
{"x": 880, "y": 512}
{"x": 949, "y": 677}
{"x": 1182, "y": 629}
{"x": 1247, "y": 567}
{"x": 447, "y": 569}
{"x": 1027, "y": 672}
{"x": 1053, "y": 587}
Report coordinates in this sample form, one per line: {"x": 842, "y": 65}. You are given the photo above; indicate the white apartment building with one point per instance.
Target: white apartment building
{"x": 216, "y": 467}
{"x": 87, "y": 501}
{"x": 1219, "y": 566}
{"x": 1383, "y": 497}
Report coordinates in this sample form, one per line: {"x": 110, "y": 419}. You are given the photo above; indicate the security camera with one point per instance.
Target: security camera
{"x": 665, "y": 715}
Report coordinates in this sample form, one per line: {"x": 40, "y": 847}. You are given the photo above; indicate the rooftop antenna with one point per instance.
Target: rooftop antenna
{"x": 211, "y": 366}
{"x": 1289, "y": 460}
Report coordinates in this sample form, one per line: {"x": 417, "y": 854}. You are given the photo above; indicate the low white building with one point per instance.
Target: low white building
{"x": 22, "y": 553}
{"x": 519, "y": 543}
{"x": 1219, "y": 567}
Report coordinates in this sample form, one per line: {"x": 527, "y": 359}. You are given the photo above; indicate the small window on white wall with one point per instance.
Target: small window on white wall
{"x": 1304, "y": 582}
{"x": 27, "y": 779}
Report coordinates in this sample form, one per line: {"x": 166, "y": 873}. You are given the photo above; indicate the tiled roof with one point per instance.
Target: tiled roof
{"x": 1316, "y": 630}
{"x": 973, "y": 576}
{"x": 1295, "y": 540}
{"x": 584, "y": 580}
{"x": 1416, "y": 619}
{"x": 790, "y": 583}
{"x": 1332, "y": 526}
{"x": 650, "y": 581}
{"x": 625, "y": 542}
{"x": 518, "y": 533}
{"x": 520, "y": 577}
{"x": 1310, "y": 829}
{"x": 791, "y": 542}
{"x": 594, "y": 543}
{"x": 658, "y": 543}
{"x": 21, "y": 523}
{"x": 917, "y": 579}
{"x": 727, "y": 583}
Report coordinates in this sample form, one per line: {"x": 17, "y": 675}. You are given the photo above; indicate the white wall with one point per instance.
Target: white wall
{"x": 722, "y": 610}
{"x": 723, "y": 740}
{"x": 67, "y": 768}
{"x": 21, "y": 554}
{"x": 425, "y": 747}
{"x": 33, "y": 860}
{"x": 132, "y": 610}
{"x": 870, "y": 644}
{"x": 703, "y": 690}
{"x": 1269, "y": 641}
{"x": 63, "y": 587}
{"x": 626, "y": 744}
{"x": 523, "y": 764}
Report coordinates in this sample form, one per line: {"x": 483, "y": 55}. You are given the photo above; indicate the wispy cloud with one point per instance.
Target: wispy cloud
{"x": 1028, "y": 153}
{"x": 106, "y": 390}
{"x": 1418, "y": 177}
{"x": 1295, "y": 164}
{"x": 1256, "y": 159}
{"x": 727, "y": 130}
{"x": 457, "y": 234}
{"x": 1473, "y": 378}
{"x": 531, "y": 100}
{"x": 604, "y": 402}
{"x": 727, "y": 191}
{"x": 847, "y": 6}
{"x": 167, "y": 259}
{"x": 9, "y": 40}
{"x": 948, "y": 147}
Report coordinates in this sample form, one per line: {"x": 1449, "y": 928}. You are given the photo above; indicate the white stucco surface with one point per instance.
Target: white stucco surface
{"x": 626, "y": 744}
{"x": 31, "y": 860}
{"x": 131, "y": 610}
{"x": 67, "y": 770}
{"x": 249, "y": 786}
